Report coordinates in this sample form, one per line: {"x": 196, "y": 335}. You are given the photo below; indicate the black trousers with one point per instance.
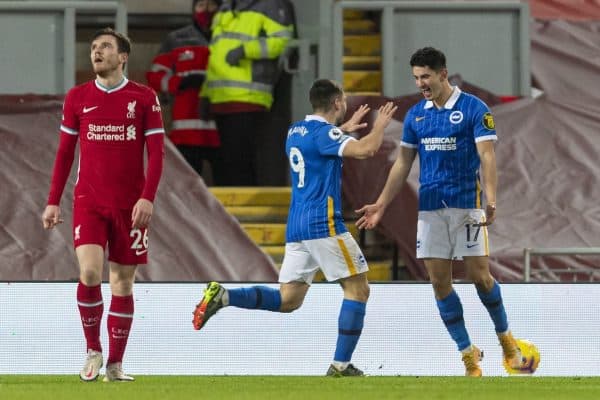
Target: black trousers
{"x": 236, "y": 164}
{"x": 196, "y": 155}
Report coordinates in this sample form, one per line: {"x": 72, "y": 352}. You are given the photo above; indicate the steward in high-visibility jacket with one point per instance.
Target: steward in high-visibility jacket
{"x": 248, "y": 36}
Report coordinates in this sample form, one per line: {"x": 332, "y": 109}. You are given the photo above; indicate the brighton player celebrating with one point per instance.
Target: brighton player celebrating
{"x": 114, "y": 119}
{"x": 453, "y": 133}
{"x": 316, "y": 236}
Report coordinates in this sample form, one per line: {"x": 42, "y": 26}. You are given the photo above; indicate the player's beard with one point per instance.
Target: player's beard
{"x": 106, "y": 68}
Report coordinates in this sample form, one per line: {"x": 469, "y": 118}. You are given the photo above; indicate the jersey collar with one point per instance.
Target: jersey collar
{"x": 451, "y": 100}
{"x": 112, "y": 89}
{"x": 313, "y": 117}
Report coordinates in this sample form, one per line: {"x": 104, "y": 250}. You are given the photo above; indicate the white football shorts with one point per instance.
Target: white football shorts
{"x": 337, "y": 256}
{"x": 452, "y": 233}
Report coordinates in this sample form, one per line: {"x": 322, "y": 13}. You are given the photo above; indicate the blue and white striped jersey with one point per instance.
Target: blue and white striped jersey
{"x": 445, "y": 140}
{"x": 314, "y": 148}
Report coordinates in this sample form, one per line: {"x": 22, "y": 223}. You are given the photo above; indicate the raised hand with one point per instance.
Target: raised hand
{"x": 386, "y": 112}
{"x": 354, "y": 123}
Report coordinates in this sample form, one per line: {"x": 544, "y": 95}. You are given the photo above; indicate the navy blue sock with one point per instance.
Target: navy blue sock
{"x": 350, "y": 324}
{"x": 493, "y": 302}
{"x": 451, "y": 312}
{"x": 256, "y": 298}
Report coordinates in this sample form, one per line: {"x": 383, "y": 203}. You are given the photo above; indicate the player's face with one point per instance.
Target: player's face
{"x": 341, "y": 107}
{"x": 105, "y": 55}
{"x": 430, "y": 82}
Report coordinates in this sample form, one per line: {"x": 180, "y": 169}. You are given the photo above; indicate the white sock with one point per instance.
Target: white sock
{"x": 225, "y": 299}
{"x": 340, "y": 365}
{"x": 467, "y": 350}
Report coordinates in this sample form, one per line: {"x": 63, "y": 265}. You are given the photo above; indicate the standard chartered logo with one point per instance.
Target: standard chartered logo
{"x": 111, "y": 133}
{"x": 439, "y": 143}
{"x": 131, "y": 132}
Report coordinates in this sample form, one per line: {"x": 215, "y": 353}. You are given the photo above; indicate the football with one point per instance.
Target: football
{"x": 530, "y": 358}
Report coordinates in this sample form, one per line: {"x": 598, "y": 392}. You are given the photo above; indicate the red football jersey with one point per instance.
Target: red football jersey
{"x": 112, "y": 125}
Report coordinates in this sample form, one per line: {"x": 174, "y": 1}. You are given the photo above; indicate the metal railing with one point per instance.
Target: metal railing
{"x": 558, "y": 251}
{"x": 69, "y": 10}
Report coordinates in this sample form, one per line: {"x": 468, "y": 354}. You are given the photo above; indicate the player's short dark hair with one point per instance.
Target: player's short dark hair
{"x": 123, "y": 42}
{"x": 323, "y": 93}
{"x": 428, "y": 57}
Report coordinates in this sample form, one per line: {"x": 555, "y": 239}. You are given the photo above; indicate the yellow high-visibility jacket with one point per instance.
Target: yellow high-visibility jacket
{"x": 263, "y": 28}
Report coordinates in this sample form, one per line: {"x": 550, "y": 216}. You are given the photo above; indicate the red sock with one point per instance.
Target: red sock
{"x": 89, "y": 301}
{"x": 120, "y": 317}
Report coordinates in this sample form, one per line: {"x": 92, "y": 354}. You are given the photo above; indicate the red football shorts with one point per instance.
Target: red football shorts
{"x": 110, "y": 226}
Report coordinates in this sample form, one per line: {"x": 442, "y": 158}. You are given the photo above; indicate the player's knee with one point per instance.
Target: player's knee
{"x": 362, "y": 292}
{"x": 90, "y": 277}
{"x": 121, "y": 287}
{"x": 291, "y": 304}
{"x": 356, "y": 289}
{"x": 483, "y": 282}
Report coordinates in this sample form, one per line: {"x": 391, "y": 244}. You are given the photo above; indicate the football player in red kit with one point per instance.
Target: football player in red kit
{"x": 114, "y": 119}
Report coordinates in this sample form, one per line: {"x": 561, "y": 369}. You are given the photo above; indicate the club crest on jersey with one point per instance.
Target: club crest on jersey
{"x": 131, "y": 109}
{"x": 131, "y": 132}
{"x": 456, "y": 117}
{"x": 488, "y": 121}
{"x": 335, "y": 133}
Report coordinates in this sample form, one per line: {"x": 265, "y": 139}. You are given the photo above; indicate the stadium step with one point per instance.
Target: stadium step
{"x": 362, "y": 53}
{"x": 359, "y": 63}
{"x": 262, "y": 213}
{"x": 362, "y": 45}
{"x": 362, "y": 81}
{"x": 359, "y": 26}
{"x": 269, "y": 214}
{"x": 253, "y": 196}
{"x": 350, "y": 14}
{"x": 274, "y": 233}
{"x": 255, "y": 204}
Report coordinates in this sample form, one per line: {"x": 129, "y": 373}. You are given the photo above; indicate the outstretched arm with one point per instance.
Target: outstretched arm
{"x": 372, "y": 213}
{"x": 487, "y": 155}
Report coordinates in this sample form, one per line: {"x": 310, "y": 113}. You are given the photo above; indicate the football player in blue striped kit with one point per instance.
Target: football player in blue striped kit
{"x": 316, "y": 236}
{"x": 454, "y": 135}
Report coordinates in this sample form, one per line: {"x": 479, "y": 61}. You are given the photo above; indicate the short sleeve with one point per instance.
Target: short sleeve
{"x": 484, "y": 127}
{"x": 330, "y": 139}
{"x": 409, "y": 136}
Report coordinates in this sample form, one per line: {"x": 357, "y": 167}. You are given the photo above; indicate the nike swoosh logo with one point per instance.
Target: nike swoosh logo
{"x": 89, "y": 374}
{"x": 88, "y": 325}
{"x": 472, "y": 245}
{"x": 87, "y": 110}
{"x": 140, "y": 252}
{"x": 419, "y": 118}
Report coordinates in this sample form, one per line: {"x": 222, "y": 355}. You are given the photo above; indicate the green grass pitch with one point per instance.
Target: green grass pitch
{"x": 60, "y": 387}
